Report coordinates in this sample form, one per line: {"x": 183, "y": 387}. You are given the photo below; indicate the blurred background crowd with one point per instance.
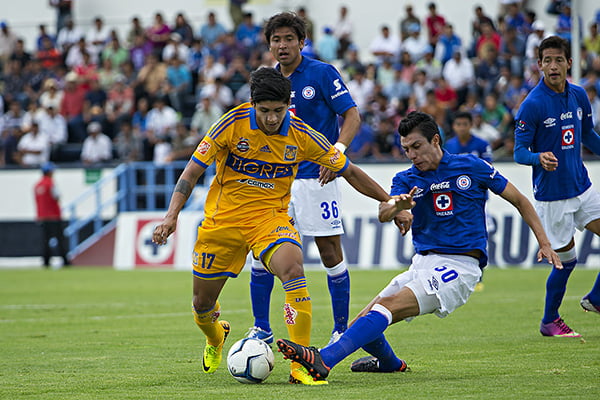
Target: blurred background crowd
{"x": 95, "y": 97}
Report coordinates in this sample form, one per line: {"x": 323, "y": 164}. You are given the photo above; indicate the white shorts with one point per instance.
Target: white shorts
{"x": 560, "y": 218}
{"x": 315, "y": 208}
{"x": 440, "y": 282}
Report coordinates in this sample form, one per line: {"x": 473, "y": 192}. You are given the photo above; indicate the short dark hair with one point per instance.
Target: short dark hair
{"x": 463, "y": 114}
{"x": 268, "y": 84}
{"x": 285, "y": 20}
{"x": 419, "y": 121}
{"x": 555, "y": 42}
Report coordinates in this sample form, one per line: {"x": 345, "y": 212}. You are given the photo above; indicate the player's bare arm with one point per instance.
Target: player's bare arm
{"x": 181, "y": 193}
{"x": 403, "y": 221}
{"x": 525, "y": 208}
{"x": 349, "y": 128}
{"x": 364, "y": 184}
{"x": 388, "y": 210}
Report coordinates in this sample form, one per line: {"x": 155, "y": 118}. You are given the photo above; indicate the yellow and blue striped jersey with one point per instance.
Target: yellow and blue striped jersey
{"x": 255, "y": 171}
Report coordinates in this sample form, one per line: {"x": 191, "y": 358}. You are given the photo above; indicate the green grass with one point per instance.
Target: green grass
{"x": 104, "y": 334}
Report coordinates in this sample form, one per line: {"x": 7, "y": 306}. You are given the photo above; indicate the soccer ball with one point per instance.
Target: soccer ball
{"x": 250, "y": 360}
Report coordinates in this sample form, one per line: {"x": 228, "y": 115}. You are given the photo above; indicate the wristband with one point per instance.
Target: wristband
{"x": 341, "y": 147}
{"x": 392, "y": 201}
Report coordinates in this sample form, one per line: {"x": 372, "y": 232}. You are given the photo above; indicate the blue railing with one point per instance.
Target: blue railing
{"x": 138, "y": 186}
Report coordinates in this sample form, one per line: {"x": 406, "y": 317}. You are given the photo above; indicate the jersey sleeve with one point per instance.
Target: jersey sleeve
{"x": 335, "y": 91}
{"x": 213, "y": 142}
{"x": 400, "y": 184}
{"x": 589, "y": 136}
{"x": 320, "y": 151}
{"x": 526, "y": 123}
{"x": 489, "y": 176}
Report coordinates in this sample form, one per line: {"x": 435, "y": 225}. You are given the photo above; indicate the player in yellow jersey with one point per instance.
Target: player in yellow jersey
{"x": 257, "y": 147}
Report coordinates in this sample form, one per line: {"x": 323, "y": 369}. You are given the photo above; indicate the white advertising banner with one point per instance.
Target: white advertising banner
{"x": 367, "y": 243}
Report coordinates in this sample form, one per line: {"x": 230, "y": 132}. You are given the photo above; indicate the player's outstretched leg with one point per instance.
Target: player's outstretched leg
{"x": 382, "y": 358}
{"x": 372, "y": 364}
{"x": 308, "y": 357}
{"x": 552, "y": 324}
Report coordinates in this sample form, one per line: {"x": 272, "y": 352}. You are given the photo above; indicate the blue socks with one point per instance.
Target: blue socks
{"x": 380, "y": 348}
{"x": 594, "y": 294}
{"x": 339, "y": 289}
{"x": 365, "y": 330}
{"x": 261, "y": 286}
{"x": 556, "y": 285}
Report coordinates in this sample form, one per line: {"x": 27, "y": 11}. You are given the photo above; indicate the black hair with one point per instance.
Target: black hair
{"x": 554, "y": 42}
{"x": 285, "y": 20}
{"x": 268, "y": 84}
{"x": 463, "y": 114}
{"x": 419, "y": 121}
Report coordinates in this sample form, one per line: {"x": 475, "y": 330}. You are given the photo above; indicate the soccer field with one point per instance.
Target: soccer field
{"x": 105, "y": 334}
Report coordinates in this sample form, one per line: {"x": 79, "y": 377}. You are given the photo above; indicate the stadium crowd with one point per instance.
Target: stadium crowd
{"x": 151, "y": 94}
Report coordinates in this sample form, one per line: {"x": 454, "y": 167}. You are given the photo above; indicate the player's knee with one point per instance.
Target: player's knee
{"x": 202, "y": 304}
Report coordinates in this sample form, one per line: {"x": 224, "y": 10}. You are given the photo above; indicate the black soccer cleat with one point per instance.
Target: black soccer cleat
{"x": 371, "y": 364}
{"x": 308, "y": 357}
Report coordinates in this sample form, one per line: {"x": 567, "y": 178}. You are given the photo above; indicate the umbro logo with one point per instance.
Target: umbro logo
{"x": 265, "y": 149}
{"x": 549, "y": 122}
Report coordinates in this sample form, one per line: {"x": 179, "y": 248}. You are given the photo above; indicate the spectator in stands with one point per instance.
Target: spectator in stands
{"x": 438, "y": 104}
{"x": 386, "y": 144}
{"x": 207, "y": 113}
{"x": 343, "y": 31}
{"x": 219, "y": 92}
{"x": 158, "y": 34}
{"x": 35, "y": 76}
{"x": 175, "y": 47}
{"x": 127, "y": 145}
{"x": 139, "y": 51}
{"x": 97, "y": 147}
{"x": 460, "y": 74}
{"x": 430, "y": 65}
{"x": 161, "y": 123}
{"x": 480, "y": 18}
{"x": 14, "y": 83}
{"x": 108, "y": 74}
{"x": 435, "y": 24}
{"x": 352, "y": 61}
{"x": 485, "y": 131}
{"x": 237, "y": 74}
{"x": 51, "y": 95}
{"x": 236, "y": 12}
{"x": 43, "y": 34}
{"x": 19, "y": 54}
{"x": 515, "y": 93}
{"x": 54, "y": 126}
{"x": 361, "y": 146}
{"x": 248, "y": 33}
{"x": 151, "y": 78}
{"x": 68, "y": 36}
{"x": 71, "y": 108}
{"x": 8, "y": 41}
{"x": 74, "y": 56}
{"x": 10, "y": 140}
{"x": 211, "y": 32}
{"x": 98, "y": 36}
{"x": 136, "y": 29}
{"x": 407, "y": 21}
{"x": 211, "y": 70}
{"x": 49, "y": 215}
{"x": 139, "y": 123}
{"x": 414, "y": 44}
{"x": 592, "y": 40}
{"x": 385, "y": 45}
{"x": 464, "y": 142}
{"x": 408, "y": 67}
{"x": 328, "y": 46}
{"x": 34, "y": 147}
{"x": 512, "y": 50}
{"x": 489, "y": 38}
{"x": 183, "y": 143}
{"x": 421, "y": 85}
{"x": 564, "y": 22}
{"x": 179, "y": 83}
{"x": 13, "y": 117}
{"x": 64, "y": 12}
{"x": 447, "y": 42}
{"x": 116, "y": 53}
{"x": 184, "y": 29}
{"x": 515, "y": 18}
{"x": 34, "y": 113}
{"x": 487, "y": 72}
{"x": 361, "y": 88}
{"x": 496, "y": 114}
{"x": 119, "y": 104}
{"x": 48, "y": 55}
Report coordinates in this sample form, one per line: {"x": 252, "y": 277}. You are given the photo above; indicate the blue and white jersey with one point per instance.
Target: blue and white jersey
{"x": 556, "y": 122}
{"x": 476, "y": 146}
{"x": 449, "y": 216}
{"x": 319, "y": 95}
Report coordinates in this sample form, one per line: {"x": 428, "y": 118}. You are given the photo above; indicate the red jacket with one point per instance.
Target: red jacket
{"x": 46, "y": 200}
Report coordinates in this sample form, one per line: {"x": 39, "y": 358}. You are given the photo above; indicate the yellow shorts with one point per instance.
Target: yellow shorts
{"x": 221, "y": 251}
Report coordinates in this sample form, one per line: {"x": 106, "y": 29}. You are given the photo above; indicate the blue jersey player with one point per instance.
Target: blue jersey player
{"x": 551, "y": 125}
{"x": 450, "y": 239}
{"x": 319, "y": 96}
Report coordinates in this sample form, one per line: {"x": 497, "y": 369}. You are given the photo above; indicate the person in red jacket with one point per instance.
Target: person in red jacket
{"x": 48, "y": 214}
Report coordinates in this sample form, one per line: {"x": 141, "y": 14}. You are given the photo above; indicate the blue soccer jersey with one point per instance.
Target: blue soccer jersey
{"x": 560, "y": 123}
{"x": 476, "y": 146}
{"x": 449, "y": 216}
{"x": 319, "y": 95}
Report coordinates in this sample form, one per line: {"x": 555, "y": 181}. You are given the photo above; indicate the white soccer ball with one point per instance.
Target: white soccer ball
{"x": 250, "y": 360}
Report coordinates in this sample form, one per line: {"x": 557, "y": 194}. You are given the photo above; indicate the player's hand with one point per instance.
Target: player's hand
{"x": 163, "y": 230}
{"x": 548, "y": 161}
{"x": 403, "y": 221}
{"x": 405, "y": 200}
{"x": 546, "y": 252}
{"x": 326, "y": 175}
